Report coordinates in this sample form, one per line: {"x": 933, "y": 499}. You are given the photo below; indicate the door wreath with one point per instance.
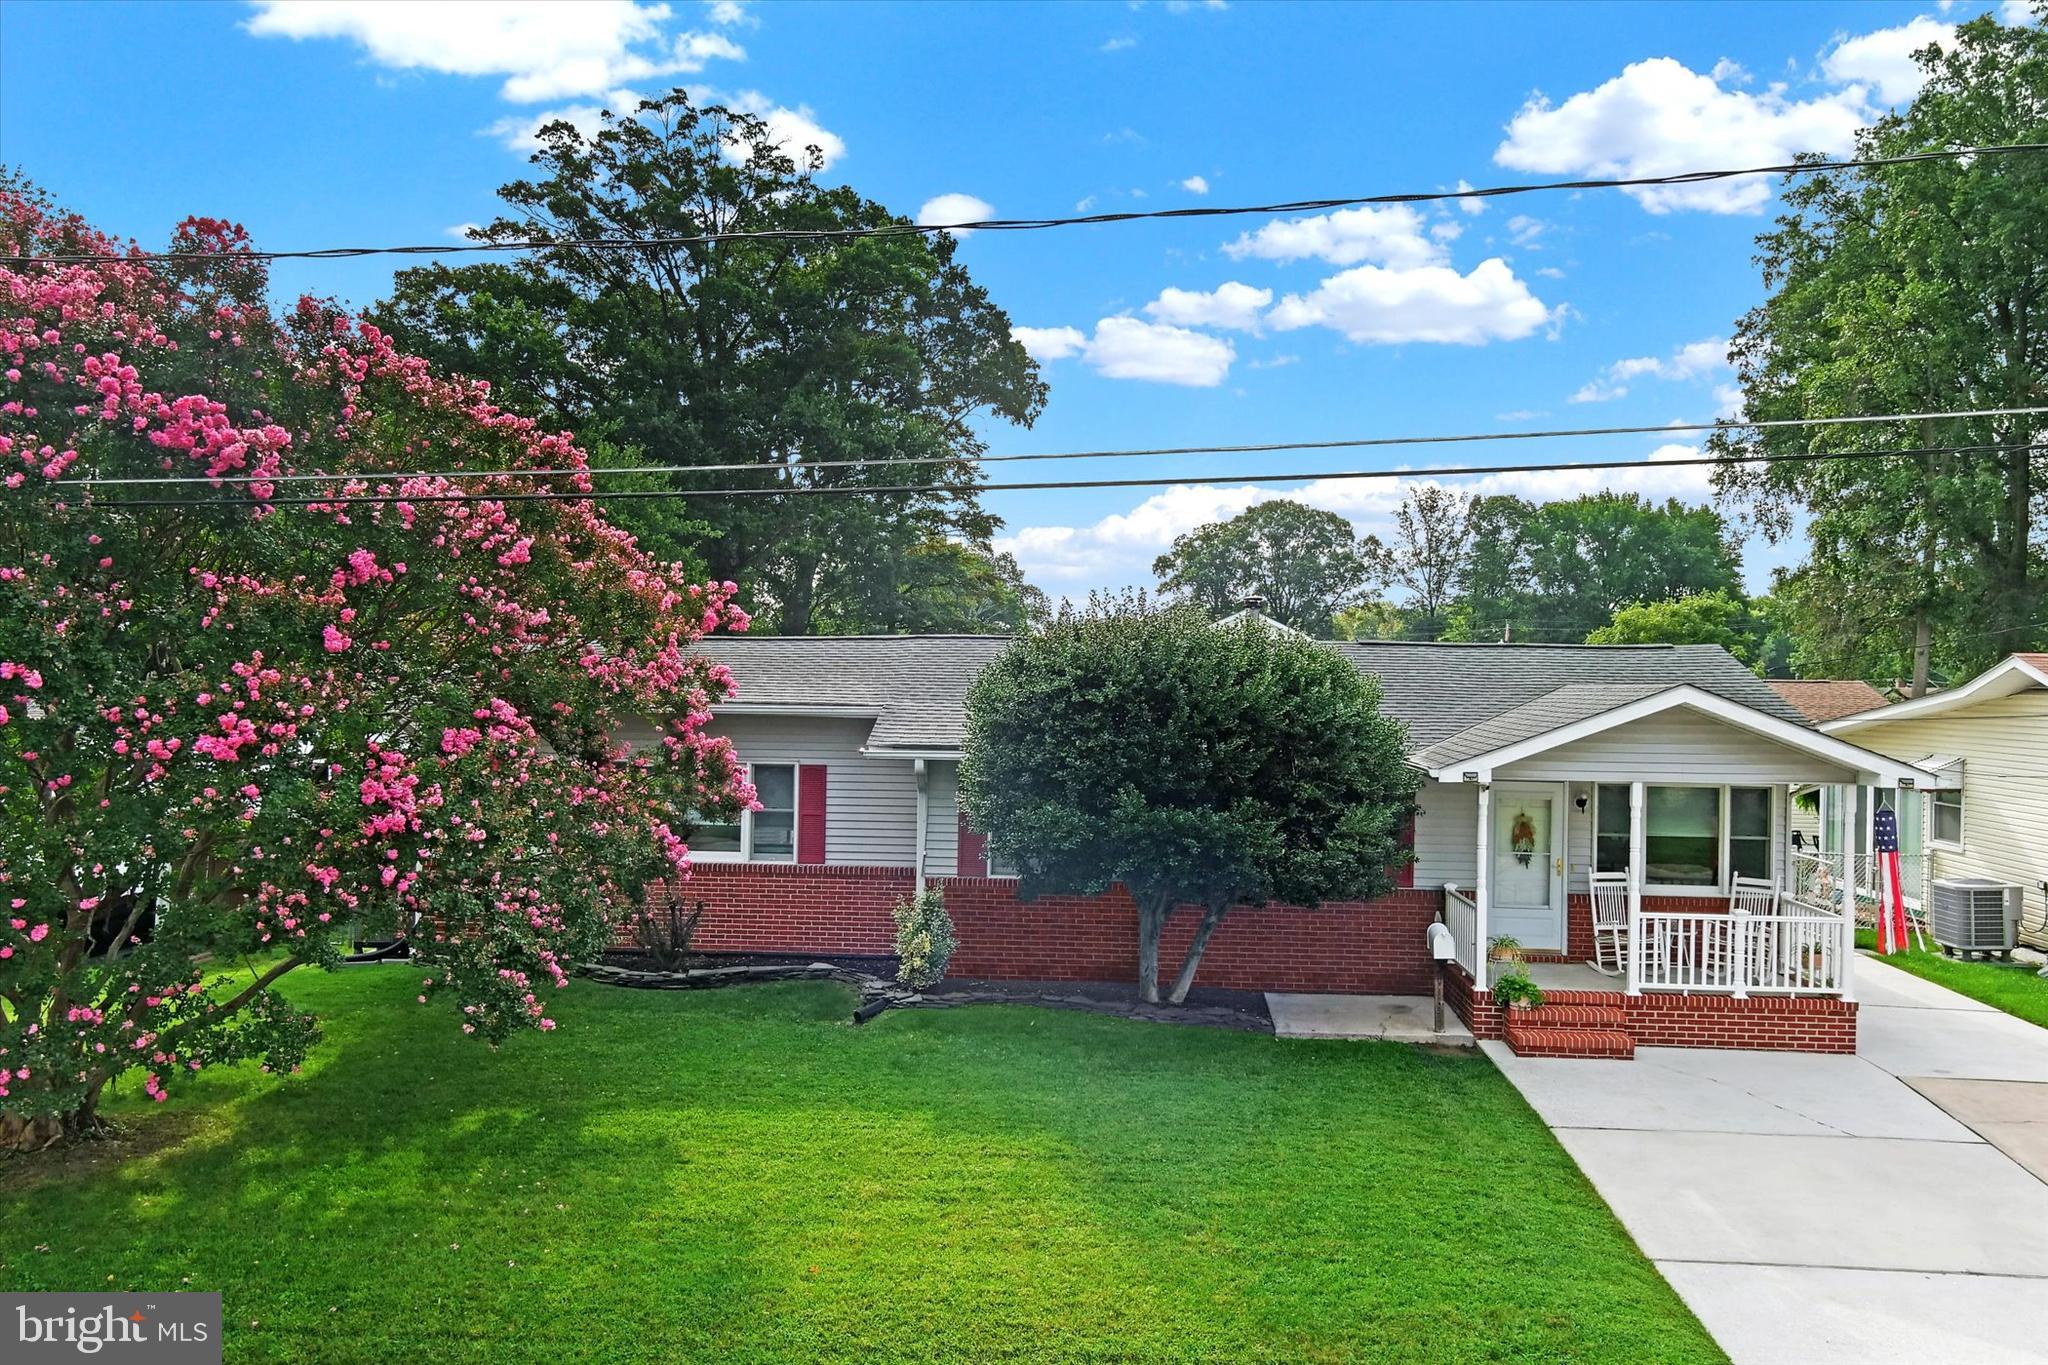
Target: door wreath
{"x": 1522, "y": 838}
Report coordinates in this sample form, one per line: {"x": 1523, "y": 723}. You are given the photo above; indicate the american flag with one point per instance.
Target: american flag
{"x": 1891, "y": 913}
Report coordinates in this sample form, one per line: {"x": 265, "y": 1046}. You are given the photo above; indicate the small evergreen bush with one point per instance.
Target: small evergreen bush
{"x": 924, "y": 938}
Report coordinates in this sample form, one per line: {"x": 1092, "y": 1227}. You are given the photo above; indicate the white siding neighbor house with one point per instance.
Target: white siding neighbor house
{"x": 1982, "y": 811}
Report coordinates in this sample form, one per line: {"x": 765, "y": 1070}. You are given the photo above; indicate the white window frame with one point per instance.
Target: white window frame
{"x": 1716, "y": 888}
{"x": 989, "y": 857}
{"x": 1933, "y": 797}
{"x": 745, "y": 853}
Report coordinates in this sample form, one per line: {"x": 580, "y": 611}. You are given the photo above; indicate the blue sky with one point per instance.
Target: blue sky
{"x": 370, "y": 122}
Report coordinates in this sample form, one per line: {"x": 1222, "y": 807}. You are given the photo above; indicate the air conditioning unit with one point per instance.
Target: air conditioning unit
{"x": 1973, "y": 915}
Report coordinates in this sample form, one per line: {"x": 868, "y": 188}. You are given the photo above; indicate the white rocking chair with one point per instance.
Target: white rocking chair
{"x": 1754, "y": 896}
{"x": 1610, "y": 921}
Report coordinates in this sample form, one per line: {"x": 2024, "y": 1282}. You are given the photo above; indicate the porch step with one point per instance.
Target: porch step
{"x": 1572, "y": 1024}
{"x": 1570, "y": 1042}
{"x": 1556, "y": 1014}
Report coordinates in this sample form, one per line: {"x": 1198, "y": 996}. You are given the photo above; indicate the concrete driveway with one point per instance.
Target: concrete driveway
{"x": 1890, "y": 1206}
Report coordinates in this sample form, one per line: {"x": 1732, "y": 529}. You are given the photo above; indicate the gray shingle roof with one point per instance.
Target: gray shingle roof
{"x": 1566, "y": 705}
{"x": 917, "y": 684}
{"x": 1441, "y": 689}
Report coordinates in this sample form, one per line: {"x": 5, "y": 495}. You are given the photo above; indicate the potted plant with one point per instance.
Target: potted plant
{"x": 1516, "y": 991}
{"x": 1504, "y": 949}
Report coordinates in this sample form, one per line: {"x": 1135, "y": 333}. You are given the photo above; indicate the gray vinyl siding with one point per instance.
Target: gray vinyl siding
{"x": 1447, "y": 834}
{"x": 870, "y": 803}
{"x": 942, "y": 823}
{"x": 2004, "y": 747}
{"x": 1676, "y": 747}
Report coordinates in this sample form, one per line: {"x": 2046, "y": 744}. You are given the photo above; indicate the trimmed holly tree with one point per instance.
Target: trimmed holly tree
{"x": 234, "y": 730}
{"x": 1200, "y": 765}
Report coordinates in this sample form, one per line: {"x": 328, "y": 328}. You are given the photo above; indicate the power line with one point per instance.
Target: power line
{"x": 1260, "y": 448}
{"x": 861, "y": 490}
{"x": 906, "y": 228}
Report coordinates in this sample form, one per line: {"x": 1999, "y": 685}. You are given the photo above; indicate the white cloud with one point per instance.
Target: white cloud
{"x": 1446, "y": 232}
{"x": 1195, "y": 184}
{"x": 731, "y": 14}
{"x": 955, "y": 208}
{"x": 1050, "y": 343}
{"x": 518, "y": 131}
{"x": 1392, "y": 236}
{"x": 1525, "y": 231}
{"x": 1118, "y": 549}
{"x": 1884, "y": 59}
{"x": 1475, "y": 207}
{"x": 1429, "y": 303}
{"x": 1548, "y": 272}
{"x": 1660, "y": 117}
{"x": 1694, "y": 360}
{"x": 792, "y": 130}
{"x": 1232, "y": 305}
{"x": 1120, "y": 43}
{"x": 1131, "y": 348}
{"x": 1128, "y": 348}
{"x": 2017, "y": 13}
{"x": 545, "y": 51}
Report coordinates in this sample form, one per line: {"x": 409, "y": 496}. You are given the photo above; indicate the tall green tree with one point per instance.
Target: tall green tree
{"x": 1700, "y": 618}
{"x": 1432, "y": 538}
{"x": 1305, "y": 563}
{"x": 1560, "y": 570}
{"x": 1912, "y": 288}
{"x": 1198, "y": 764}
{"x": 783, "y": 359}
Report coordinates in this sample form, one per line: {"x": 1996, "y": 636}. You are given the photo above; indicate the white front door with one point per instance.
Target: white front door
{"x": 1527, "y": 881}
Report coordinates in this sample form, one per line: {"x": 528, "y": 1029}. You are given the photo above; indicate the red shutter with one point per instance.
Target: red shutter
{"x": 810, "y": 813}
{"x": 973, "y": 851}
{"x": 1405, "y": 876}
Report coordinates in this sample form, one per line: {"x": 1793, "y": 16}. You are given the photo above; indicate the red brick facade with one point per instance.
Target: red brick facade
{"x": 1374, "y": 948}
{"x": 1767, "y": 1023}
{"x": 1371, "y": 947}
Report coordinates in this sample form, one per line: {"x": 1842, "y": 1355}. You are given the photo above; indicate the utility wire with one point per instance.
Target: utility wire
{"x": 1261, "y": 448}
{"x": 907, "y": 229}
{"x": 862, "y": 490}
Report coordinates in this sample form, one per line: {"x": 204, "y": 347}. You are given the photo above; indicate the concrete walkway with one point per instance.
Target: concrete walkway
{"x": 1890, "y": 1206}
{"x": 1386, "y": 1018}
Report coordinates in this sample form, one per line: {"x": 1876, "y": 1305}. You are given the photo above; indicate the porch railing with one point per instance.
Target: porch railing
{"x": 1801, "y": 949}
{"x": 1818, "y": 876}
{"x": 1461, "y": 917}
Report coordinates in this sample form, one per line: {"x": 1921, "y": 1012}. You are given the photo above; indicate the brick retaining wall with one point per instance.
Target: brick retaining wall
{"x": 1767, "y": 1023}
{"x": 1375, "y": 946}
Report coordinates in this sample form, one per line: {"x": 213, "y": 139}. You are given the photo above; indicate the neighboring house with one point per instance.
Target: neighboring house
{"x": 1669, "y": 767}
{"x": 1821, "y": 700}
{"x": 1982, "y": 808}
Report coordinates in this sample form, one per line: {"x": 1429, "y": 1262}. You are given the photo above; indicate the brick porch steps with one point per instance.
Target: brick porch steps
{"x": 1572, "y": 1024}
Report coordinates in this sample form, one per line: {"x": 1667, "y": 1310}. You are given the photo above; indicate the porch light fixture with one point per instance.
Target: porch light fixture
{"x": 1470, "y": 777}
{"x": 1580, "y": 801}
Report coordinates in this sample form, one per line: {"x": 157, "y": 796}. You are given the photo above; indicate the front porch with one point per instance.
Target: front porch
{"x": 1631, "y": 854}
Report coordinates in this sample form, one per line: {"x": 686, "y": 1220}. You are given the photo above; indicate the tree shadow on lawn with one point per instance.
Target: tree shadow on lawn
{"x": 740, "y": 1174}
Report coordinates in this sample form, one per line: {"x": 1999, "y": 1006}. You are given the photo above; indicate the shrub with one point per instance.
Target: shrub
{"x": 924, "y": 938}
{"x": 664, "y": 934}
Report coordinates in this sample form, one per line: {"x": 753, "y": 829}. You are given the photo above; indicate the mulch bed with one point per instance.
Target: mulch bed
{"x": 875, "y": 979}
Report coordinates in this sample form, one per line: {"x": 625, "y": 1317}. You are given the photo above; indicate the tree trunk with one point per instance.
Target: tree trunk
{"x": 1212, "y": 917}
{"x": 19, "y": 1134}
{"x": 1923, "y": 652}
{"x": 1152, "y": 914}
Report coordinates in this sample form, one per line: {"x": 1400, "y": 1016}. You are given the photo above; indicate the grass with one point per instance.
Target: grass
{"x": 741, "y": 1175}
{"x": 2010, "y": 986}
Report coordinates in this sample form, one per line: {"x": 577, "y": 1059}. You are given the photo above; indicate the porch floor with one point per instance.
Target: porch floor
{"x": 1572, "y": 976}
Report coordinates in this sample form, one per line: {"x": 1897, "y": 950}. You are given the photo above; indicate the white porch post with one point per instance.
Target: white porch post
{"x": 1636, "y": 860}
{"x": 1482, "y": 893}
{"x": 1846, "y": 972}
{"x": 924, "y": 809}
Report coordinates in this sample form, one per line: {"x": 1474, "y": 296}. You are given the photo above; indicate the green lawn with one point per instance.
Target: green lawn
{"x": 741, "y": 1175}
{"x": 2011, "y": 986}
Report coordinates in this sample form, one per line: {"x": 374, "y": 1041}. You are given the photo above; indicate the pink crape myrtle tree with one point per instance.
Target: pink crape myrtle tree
{"x": 235, "y": 732}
